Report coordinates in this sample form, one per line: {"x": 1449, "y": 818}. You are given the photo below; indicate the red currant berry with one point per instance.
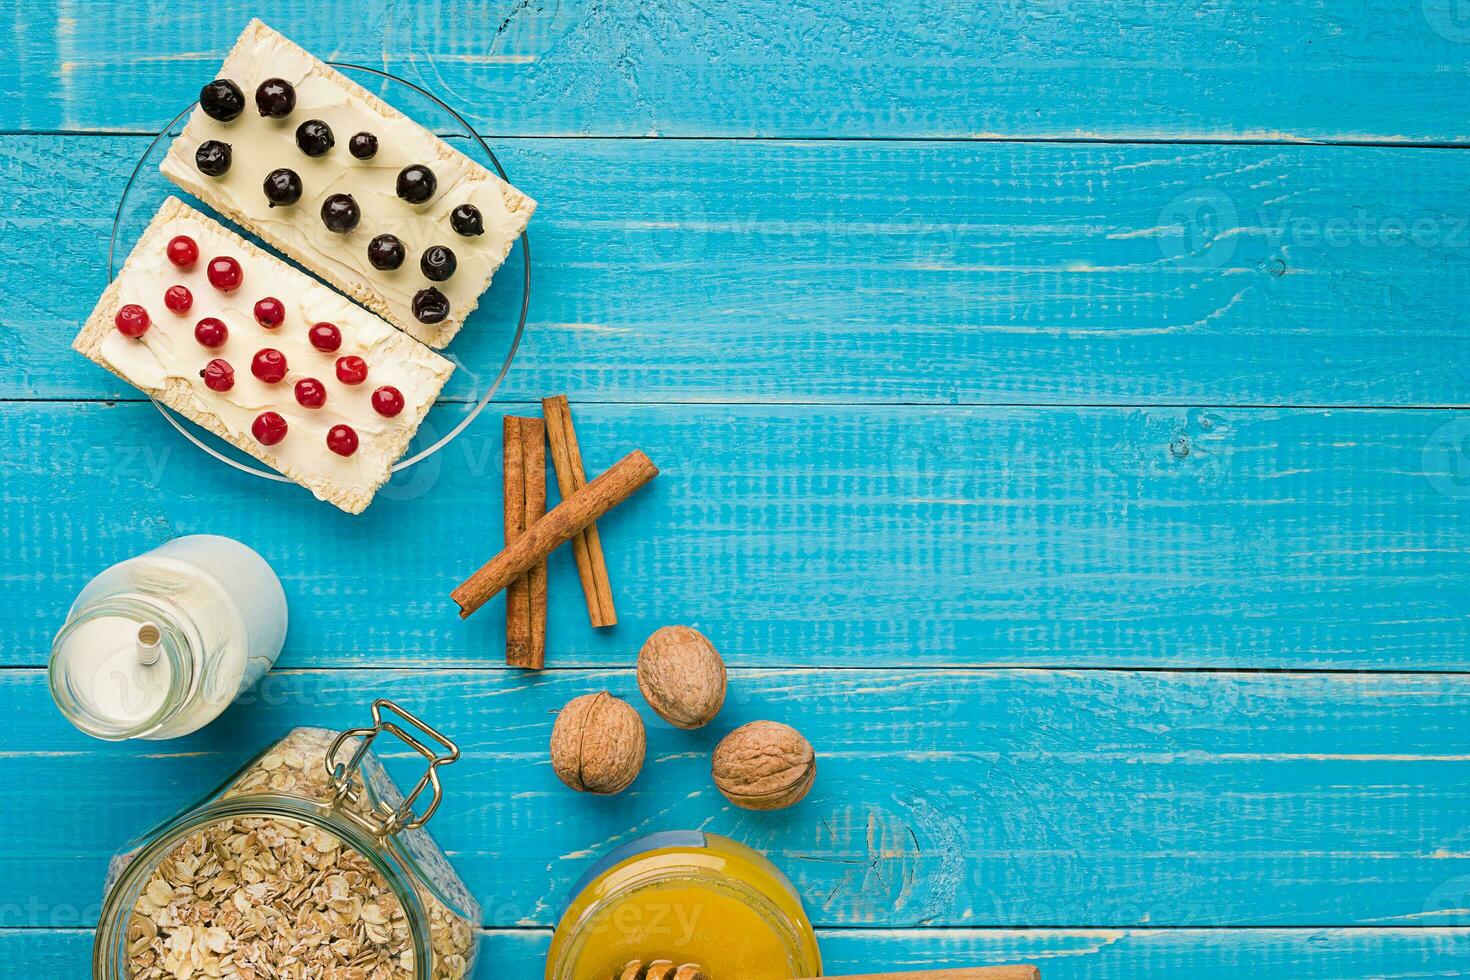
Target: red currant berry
{"x": 269, "y": 428}
{"x": 325, "y": 337}
{"x": 351, "y": 370}
{"x": 211, "y": 333}
{"x": 178, "y": 299}
{"x": 132, "y": 320}
{"x": 182, "y": 251}
{"x": 269, "y": 365}
{"x": 224, "y": 274}
{"x": 270, "y": 312}
{"x": 388, "y": 401}
{"x": 218, "y": 375}
{"x": 311, "y": 393}
{"x": 342, "y": 440}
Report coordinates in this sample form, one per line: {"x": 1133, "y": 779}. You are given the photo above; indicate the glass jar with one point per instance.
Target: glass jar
{"x": 687, "y": 897}
{"x": 157, "y": 646}
{"x": 310, "y": 856}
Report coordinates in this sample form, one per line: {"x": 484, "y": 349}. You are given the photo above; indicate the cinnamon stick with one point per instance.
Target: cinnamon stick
{"x": 566, "y": 456}
{"x": 533, "y": 444}
{"x": 518, "y": 593}
{"x": 525, "y": 501}
{"x": 554, "y": 529}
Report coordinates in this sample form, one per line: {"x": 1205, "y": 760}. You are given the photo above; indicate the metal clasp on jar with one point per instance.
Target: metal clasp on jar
{"x": 390, "y": 821}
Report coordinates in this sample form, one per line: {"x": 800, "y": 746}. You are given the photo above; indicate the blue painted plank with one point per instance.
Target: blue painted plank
{"x": 1366, "y": 70}
{"x": 827, "y": 536}
{"x": 896, "y": 272}
{"x": 1187, "y": 954}
{"x": 943, "y": 798}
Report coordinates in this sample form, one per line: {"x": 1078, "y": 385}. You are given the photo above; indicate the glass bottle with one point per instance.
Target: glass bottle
{"x": 157, "y": 646}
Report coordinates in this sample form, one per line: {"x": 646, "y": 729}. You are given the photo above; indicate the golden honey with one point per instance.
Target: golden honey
{"x": 689, "y": 897}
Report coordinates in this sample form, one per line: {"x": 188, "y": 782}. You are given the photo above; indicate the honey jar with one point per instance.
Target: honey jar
{"x": 686, "y": 897}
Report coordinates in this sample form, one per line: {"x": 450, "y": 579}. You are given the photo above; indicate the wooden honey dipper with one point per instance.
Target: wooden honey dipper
{"x": 669, "y": 970}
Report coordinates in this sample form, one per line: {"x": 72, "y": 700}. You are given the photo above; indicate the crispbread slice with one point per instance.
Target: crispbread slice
{"x": 297, "y": 230}
{"x": 333, "y": 480}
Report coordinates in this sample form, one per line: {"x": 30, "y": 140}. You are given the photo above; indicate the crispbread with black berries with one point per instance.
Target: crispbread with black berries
{"x": 355, "y": 191}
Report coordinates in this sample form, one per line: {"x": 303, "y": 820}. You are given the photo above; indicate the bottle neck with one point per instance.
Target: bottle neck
{"x": 123, "y": 666}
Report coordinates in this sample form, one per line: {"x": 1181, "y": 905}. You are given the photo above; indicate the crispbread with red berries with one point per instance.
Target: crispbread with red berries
{"x": 263, "y": 356}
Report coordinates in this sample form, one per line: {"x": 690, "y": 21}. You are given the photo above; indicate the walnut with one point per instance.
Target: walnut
{"x": 597, "y": 744}
{"x": 764, "y": 765}
{"x": 682, "y": 677}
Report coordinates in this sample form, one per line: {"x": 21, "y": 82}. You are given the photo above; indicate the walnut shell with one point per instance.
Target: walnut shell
{"x": 764, "y": 765}
{"x": 597, "y": 744}
{"x": 682, "y": 677}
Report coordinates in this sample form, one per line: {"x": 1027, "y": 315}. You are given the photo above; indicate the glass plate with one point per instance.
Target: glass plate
{"x": 482, "y": 352}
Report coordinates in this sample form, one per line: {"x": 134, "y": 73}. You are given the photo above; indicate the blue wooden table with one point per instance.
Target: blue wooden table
{"x": 1061, "y": 410}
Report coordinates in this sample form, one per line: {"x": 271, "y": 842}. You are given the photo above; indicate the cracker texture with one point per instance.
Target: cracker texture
{"x": 184, "y": 397}
{"x": 177, "y": 168}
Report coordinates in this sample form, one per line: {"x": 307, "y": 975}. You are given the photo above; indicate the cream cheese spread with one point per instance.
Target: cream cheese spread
{"x": 168, "y": 353}
{"x": 259, "y": 145}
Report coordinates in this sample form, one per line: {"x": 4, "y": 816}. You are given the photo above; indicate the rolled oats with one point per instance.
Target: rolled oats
{"x": 261, "y": 898}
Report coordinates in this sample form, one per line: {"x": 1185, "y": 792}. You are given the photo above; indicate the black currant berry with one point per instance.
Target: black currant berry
{"x": 416, "y": 183}
{"x": 364, "y": 146}
{"x": 315, "y": 137}
{"x": 282, "y": 187}
{"x": 430, "y": 305}
{"x": 222, "y": 99}
{"x": 438, "y": 263}
{"x": 340, "y": 213}
{"x": 275, "y": 98}
{"x": 386, "y": 253}
{"x": 213, "y": 158}
{"x": 466, "y": 221}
